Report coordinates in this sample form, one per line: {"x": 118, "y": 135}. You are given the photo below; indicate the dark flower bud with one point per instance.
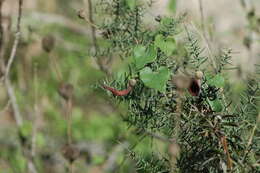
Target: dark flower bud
{"x": 81, "y": 14}
{"x": 48, "y": 43}
{"x": 70, "y": 152}
{"x": 66, "y": 90}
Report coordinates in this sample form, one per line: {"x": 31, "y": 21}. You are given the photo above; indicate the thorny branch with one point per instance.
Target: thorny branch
{"x": 6, "y": 69}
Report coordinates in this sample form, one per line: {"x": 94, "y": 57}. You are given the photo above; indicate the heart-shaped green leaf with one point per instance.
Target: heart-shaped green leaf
{"x": 217, "y": 81}
{"x": 156, "y": 80}
{"x": 131, "y": 4}
{"x": 216, "y": 105}
{"x": 167, "y": 45}
{"x": 143, "y": 55}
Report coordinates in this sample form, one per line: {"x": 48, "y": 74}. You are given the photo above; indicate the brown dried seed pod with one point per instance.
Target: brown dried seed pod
{"x": 247, "y": 41}
{"x": 48, "y": 43}
{"x": 81, "y": 14}
{"x": 251, "y": 13}
{"x": 70, "y": 152}
{"x": 66, "y": 90}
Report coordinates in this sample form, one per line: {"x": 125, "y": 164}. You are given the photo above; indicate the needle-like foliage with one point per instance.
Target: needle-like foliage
{"x": 214, "y": 133}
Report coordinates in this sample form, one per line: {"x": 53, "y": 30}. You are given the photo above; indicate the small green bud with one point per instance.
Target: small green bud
{"x": 199, "y": 74}
{"x": 132, "y": 82}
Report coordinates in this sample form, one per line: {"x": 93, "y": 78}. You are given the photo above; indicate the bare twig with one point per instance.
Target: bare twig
{"x": 69, "y": 152}
{"x": 12, "y": 97}
{"x": 8, "y": 84}
{"x": 251, "y": 136}
{"x": 101, "y": 65}
{"x": 81, "y": 15}
{"x": 223, "y": 140}
{"x": 202, "y": 17}
{"x": 1, "y": 26}
{"x": 69, "y": 112}
{"x": 111, "y": 163}
{"x": 93, "y": 29}
{"x": 50, "y": 18}
{"x": 69, "y": 130}
{"x": 71, "y": 168}
{"x": 5, "y": 107}
{"x": 250, "y": 139}
{"x": 31, "y": 167}
{"x": 17, "y": 39}
{"x": 35, "y": 119}
{"x": 55, "y": 67}
{"x": 2, "y": 63}
{"x": 10, "y": 91}
{"x": 13, "y": 53}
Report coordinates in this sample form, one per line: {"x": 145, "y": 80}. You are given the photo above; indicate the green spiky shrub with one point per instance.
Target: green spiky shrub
{"x": 216, "y": 131}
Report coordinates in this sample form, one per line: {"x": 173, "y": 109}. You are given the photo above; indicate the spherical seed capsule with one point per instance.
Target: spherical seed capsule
{"x": 132, "y": 82}
{"x": 247, "y": 41}
{"x": 65, "y": 90}
{"x": 48, "y": 43}
{"x": 81, "y": 14}
{"x": 199, "y": 74}
{"x": 70, "y": 152}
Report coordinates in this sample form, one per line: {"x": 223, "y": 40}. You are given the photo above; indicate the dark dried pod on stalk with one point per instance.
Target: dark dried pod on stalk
{"x": 48, "y": 43}
{"x": 158, "y": 18}
{"x": 81, "y": 14}
{"x": 66, "y": 90}
{"x": 251, "y": 13}
{"x": 70, "y": 152}
{"x": 247, "y": 41}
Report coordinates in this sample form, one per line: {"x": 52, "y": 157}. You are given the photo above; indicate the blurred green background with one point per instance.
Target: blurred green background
{"x": 97, "y": 127}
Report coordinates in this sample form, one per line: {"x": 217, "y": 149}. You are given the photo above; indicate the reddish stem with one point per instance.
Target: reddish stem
{"x": 118, "y": 92}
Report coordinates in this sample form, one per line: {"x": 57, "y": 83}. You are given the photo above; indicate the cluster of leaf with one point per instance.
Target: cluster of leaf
{"x": 154, "y": 56}
{"x": 148, "y": 52}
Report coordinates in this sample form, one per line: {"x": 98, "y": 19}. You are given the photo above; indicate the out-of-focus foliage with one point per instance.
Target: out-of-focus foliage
{"x": 132, "y": 133}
